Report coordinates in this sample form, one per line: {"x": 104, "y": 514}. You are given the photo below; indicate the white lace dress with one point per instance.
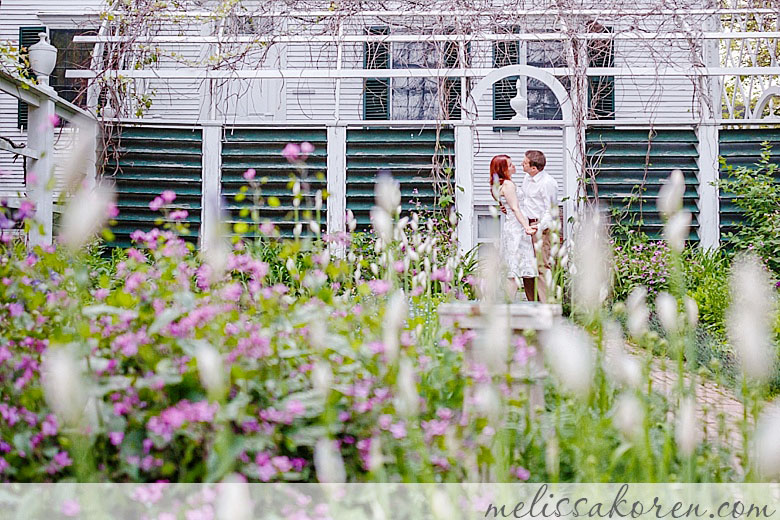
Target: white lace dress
{"x": 516, "y": 250}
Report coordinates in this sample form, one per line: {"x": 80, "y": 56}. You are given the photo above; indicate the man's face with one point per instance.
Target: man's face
{"x": 527, "y": 168}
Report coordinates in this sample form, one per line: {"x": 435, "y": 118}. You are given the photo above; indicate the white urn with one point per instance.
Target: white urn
{"x": 43, "y": 56}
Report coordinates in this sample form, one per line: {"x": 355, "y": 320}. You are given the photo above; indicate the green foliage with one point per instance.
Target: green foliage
{"x": 757, "y": 191}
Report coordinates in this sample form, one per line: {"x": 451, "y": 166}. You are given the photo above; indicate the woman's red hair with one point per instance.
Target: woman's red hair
{"x": 499, "y": 169}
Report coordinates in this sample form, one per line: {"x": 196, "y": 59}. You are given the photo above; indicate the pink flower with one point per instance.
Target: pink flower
{"x": 179, "y": 214}
{"x": 266, "y": 471}
{"x": 307, "y": 149}
{"x": 442, "y": 275}
{"x": 283, "y": 464}
{"x": 295, "y": 407}
{"x": 156, "y": 204}
{"x": 49, "y": 425}
{"x": 521, "y": 473}
{"x": 379, "y": 286}
{"x": 232, "y": 292}
{"x": 101, "y": 294}
{"x": 168, "y": 196}
{"x": 70, "y": 507}
{"x": 116, "y": 438}
{"x": 250, "y": 174}
{"x": 54, "y": 120}
{"x": 291, "y": 152}
{"x": 136, "y": 255}
{"x": 267, "y": 228}
{"x": 398, "y": 430}
{"x": 113, "y": 211}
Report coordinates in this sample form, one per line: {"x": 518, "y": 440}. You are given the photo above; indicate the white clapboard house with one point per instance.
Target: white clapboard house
{"x": 616, "y": 94}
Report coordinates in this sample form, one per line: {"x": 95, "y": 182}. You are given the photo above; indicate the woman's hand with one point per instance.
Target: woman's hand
{"x": 530, "y": 230}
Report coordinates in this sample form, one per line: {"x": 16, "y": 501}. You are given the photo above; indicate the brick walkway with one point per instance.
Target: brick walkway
{"x": 718, "y": 410}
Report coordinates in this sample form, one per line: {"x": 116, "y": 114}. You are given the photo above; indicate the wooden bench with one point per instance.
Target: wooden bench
{"x": 519, "y": 317}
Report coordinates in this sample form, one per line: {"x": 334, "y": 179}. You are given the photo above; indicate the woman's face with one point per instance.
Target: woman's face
{"x": 511, "y": 169}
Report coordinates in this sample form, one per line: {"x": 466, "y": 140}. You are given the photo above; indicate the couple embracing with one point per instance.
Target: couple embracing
{"x": 531, "y": 207}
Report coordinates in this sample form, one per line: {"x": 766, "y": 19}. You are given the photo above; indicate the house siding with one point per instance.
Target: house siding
{"x": 302, "y": 101}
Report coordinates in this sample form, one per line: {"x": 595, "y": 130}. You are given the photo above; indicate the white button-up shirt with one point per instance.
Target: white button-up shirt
{"x": 541, "y": 198}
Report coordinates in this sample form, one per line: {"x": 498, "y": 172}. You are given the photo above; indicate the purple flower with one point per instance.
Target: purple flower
{"x": 291, "y": 152}
{"x": 15, "y": 309}
{"x": 26, "y": 210}
{"x": 250, "y": 174}
{"x": 116, "y": 438}
{"x": 49, "y": 425}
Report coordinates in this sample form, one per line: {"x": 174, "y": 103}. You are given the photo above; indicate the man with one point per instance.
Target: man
{"x": 540, "y": 205}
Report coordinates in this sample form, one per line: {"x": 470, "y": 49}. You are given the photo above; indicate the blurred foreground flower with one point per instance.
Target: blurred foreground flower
{"x": 686, "y": 432}
{"x": 629, "y": 416}
{"x": 63, "y": 385}
{"x": 211, "y": 368}
{"x": 570, "y": 354}
{"x": 388, "y": 193}
{"x": 593, "y": 263}
{"x": 749, "y": 319}
{"x": 670, "y": 197}
{"x": 328, "y": 462}
{"x": 767, "y": 443}
{"x": 233, "y": 499}
{"x": 85, "y": 215}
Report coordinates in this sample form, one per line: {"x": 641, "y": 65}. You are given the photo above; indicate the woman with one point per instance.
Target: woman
{"x": 517, "y": 250}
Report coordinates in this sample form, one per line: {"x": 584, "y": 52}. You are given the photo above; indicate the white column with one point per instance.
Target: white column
{"x": 709, "y": 204}
{"x": 40, "y": 138}
{"x": 464, "y": 186}
{"x": 211, "y": 182}
{"x": 337, "y": 179}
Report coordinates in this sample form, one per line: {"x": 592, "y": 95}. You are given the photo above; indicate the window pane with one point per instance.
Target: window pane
{"x": 542, "y": 103}
{"x": 414, "y": 98}
{"x": 488, "y": 228}
{"x": 70, "y": 55}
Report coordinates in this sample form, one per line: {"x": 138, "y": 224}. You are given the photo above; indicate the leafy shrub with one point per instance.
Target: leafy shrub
{"x": 757, "y": 192}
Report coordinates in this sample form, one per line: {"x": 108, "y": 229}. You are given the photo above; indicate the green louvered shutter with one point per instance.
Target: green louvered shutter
{"x": 743, "y": 147}
{"x": 27, "y": 36}
{"x": 504, "y": 53}
{"x": 407, "y": 155}
{"x": 144, "y": 161}
{"x": 629, "y": 167}
{"x": 376, "y": 91}
{"x": 261, "y": 149}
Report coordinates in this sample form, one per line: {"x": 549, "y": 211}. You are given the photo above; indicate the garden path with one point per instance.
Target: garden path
{"x": 718, "y": 410}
